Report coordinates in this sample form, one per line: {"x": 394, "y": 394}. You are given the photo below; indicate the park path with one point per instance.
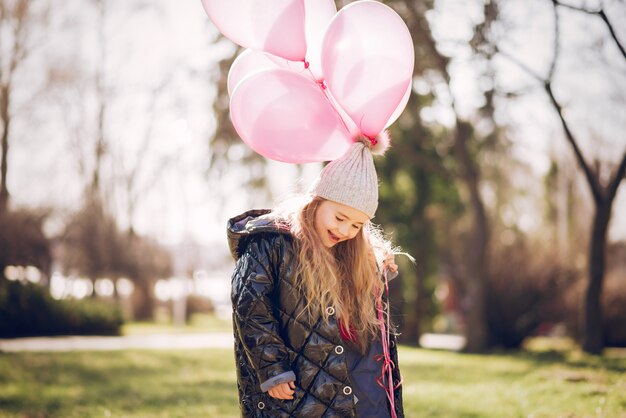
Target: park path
{"x": 127, "y": 342}
{"x": 171, "y": 342}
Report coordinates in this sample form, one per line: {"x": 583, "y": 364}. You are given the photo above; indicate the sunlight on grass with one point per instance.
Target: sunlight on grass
{"x": 199, "y": 323}
{"x": 511, "y": 385}
{"x": 201, "y": 383}
{"x": 128, "y": 383}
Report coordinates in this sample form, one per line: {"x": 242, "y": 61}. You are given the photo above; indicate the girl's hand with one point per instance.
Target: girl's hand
{"x": 283, "y": 391}
{"x": 390, "y": 263}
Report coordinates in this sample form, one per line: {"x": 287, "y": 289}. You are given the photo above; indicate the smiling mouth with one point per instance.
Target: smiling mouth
{"x": 333, "y": 238}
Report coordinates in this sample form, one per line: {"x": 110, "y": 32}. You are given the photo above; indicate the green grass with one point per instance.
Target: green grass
{"x": 201, "y": 383}
{"x": 120, "y": 383}
{"x": 523, "y": 384}
{"x": 199, "y": 323}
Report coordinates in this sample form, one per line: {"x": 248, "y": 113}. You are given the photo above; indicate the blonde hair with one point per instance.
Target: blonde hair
{"x": 345, "y": 276}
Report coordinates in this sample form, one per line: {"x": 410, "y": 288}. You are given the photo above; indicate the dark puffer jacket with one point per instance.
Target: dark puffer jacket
{"x": 270, "y": 337}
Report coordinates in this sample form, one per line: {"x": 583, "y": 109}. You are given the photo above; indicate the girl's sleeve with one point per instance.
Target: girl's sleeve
{"x": 253, "y": 284}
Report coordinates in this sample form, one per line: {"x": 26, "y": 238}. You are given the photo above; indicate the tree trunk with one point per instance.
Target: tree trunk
{"x": 593, "y": 324}
{"x": 417, "y": 308}
{"x": 4, "y": 116}
{"x": 476, "y": 330}
{"x": 143, "y": 300}
{"x": 411, "y": 329}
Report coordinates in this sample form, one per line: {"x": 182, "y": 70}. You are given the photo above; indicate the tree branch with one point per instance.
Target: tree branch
{"x": 425, "y": 39}
{"x": 602, "y": 15}
{"x": 556, "y": 45}
{"x": 592, "y": 179}
{"x": 612, "y": 32}
{"x": 577, "y": 8}
{"x": 620, "y": 174}
{"x": 523, "y": 66}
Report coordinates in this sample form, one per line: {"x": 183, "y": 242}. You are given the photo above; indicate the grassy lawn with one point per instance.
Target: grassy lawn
{"x": 201, "y": 383}
{"x": 198, "y": 323}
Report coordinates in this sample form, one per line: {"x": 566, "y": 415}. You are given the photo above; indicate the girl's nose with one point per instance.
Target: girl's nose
{"x": 344, "y": 229}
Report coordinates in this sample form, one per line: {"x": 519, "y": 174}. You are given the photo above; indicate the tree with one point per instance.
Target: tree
{"x": 603, "y": 191}
{"x": 249, "y": 166}
{"x": 94, "y": 246}
{"x": 22, "y": 241}
{"x": 17, "y": 22}
{"x": 408, "y": 190}
{"x": 460, "y": 145}
{"x": 93, "y": 243}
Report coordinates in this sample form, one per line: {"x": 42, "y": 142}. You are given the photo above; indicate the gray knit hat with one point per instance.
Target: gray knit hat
{"x": 351, "y": 179}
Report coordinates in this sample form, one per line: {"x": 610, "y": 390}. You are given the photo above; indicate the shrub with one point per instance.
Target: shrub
{"x": 614, "y": 304}
{"x": 525, "y": 294}
{"x": 22, "y": 241}
{"x": 198, "y": 304}
{"x": 29, "y": 310}
{"x": 613, "y": 308}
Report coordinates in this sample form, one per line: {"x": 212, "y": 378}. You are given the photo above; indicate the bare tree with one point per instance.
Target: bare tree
{"x": 603, "y": 193}
{"x": 225, "y": 138}
{"x": 136, "y": 190}
{"x": 16, "y": 21}
{"x": 101, "y": 146}
{"x": 23, "y": 240}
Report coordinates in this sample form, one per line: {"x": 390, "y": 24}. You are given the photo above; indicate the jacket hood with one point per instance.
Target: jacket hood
{"x": 252, "y": 222}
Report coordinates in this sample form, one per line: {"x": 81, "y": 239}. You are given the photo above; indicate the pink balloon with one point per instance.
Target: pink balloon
{"x": 251, "y": 61}
{"x": 318, "y": 14}
{"x": 285, "y": 116}
{"x": 367, "y": 61}
{"x": 405, "y": 100}
{"x": 274, "y": 26}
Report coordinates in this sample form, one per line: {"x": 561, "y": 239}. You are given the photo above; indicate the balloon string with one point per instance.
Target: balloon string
{"x": 324, "y": 88}
{"x": 334, "y": 104}
{"x": 386, "y": 377}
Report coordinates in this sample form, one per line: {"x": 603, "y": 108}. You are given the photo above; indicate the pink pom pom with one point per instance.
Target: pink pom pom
{"x": 381, "y": 144}
{"x": 378, "y": 145}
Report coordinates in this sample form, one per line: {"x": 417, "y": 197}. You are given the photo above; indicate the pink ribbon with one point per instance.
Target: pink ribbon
{"x": 386, "y": 377}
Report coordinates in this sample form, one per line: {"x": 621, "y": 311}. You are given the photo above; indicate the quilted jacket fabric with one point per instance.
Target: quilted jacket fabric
{"x": 273, "y": 336}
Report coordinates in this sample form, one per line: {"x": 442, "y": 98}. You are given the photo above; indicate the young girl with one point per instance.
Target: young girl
{"x": 312, "y": 335}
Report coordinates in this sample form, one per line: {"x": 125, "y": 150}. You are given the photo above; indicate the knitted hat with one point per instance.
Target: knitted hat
{"x": 351, "y": 179}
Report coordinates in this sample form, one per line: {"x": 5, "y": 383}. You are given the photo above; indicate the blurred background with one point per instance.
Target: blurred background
{"x": 120, "y": 167}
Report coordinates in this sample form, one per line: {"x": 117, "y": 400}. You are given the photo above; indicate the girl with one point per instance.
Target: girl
{"x": 312, "y": 336}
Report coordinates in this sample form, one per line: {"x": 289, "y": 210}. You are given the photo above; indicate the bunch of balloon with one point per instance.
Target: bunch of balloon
{"x": 313, "y": 79}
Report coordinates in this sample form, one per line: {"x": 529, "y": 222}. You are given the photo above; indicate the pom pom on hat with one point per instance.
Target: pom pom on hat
{"x": 378, "y": 145}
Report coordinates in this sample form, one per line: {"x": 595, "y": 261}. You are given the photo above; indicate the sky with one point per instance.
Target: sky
{"x": 158, "y": 59}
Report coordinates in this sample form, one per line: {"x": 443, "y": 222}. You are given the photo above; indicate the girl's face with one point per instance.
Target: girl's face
{"x": 335, "y": 222}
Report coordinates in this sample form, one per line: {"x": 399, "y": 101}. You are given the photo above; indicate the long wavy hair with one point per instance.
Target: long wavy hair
{"x": 345, "y": 276}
